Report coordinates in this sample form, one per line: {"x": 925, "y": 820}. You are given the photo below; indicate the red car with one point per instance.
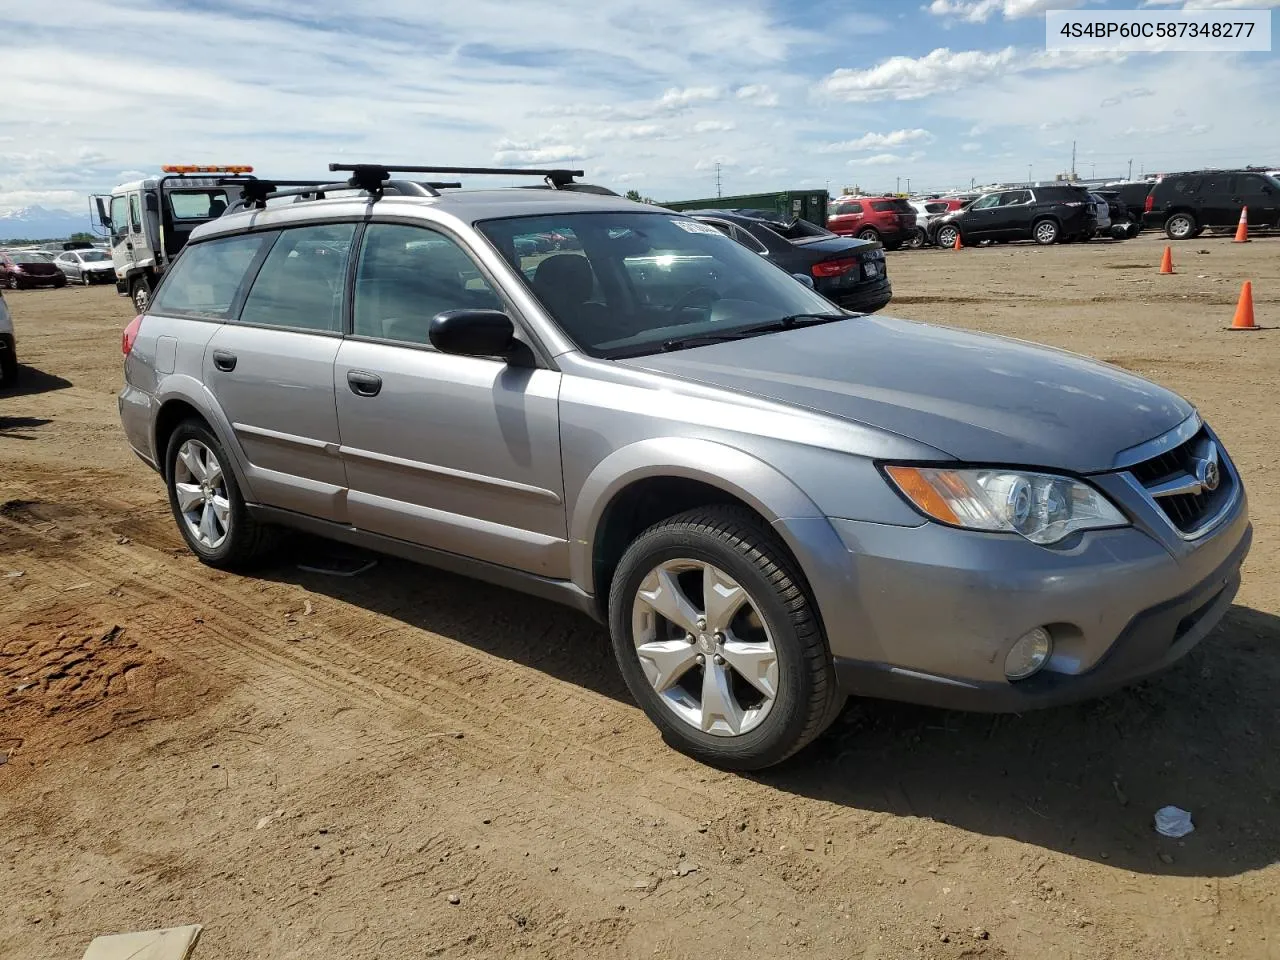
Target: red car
{"x": 19, "y": 270}
{"x": 891, "y": 220}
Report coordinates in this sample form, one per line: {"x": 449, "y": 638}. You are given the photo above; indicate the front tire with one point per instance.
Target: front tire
{"x": 8, "y": 370}
{"x": 946, "y": 236}
{"x": 206, "y": 501}
{"x": 140, "y": 293}
{"x": 1045, "y": 232}
{"x": 718, "y": 640}
{"x": 1181, "y": 226}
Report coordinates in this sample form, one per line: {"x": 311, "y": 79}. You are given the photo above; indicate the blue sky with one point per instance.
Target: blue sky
{"x": 650, "y": 95}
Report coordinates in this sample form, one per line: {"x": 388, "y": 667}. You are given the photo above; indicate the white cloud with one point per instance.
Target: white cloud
{"x": 512, "y": 152}
{"x": 758, "y": 94}
{"x": 877, "y": 160}
{"x": 675, "y": 98}
{"x": 1214, "y": 4}
{"x": 1135, "y": 94}
{"x": 979, "y": 11}
{"x": 630, "y": 131}
{"x": 874, "y": 141}
{"x": 943, "y": 70}
{"x": 714, "y": 126}
{"x": 970, "y": 147}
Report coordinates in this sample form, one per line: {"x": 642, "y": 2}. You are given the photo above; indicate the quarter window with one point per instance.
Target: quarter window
{"x": 407, "y": 275}
{"x": 301, "y": 282}
{"x": 207, "y": 276}
{"x": 135, "y": 217}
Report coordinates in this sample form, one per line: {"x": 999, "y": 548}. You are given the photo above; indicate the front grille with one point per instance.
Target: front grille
{"x": 1188, "y": 511}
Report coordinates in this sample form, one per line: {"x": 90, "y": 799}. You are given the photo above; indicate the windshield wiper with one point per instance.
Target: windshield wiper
{"x": 789, "y": 322}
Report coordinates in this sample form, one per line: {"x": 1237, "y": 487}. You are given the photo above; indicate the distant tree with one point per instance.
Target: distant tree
{"x": 634, "y": 195}
{"x": 82, "y": 235}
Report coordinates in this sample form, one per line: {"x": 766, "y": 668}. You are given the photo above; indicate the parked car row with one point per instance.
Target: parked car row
{"x": 1183, "y": 205}
{"x": 22, "y": 269}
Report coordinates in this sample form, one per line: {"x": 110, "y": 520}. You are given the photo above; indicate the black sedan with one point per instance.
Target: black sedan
{"x": 849, "y": 272}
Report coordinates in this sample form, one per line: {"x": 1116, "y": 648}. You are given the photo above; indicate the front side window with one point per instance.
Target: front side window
{"x": 207, "y": 276}
{"x": 1011, "y": 197}
{"x": 92, "y": 256}
{"x": 406, "y": 275}
{"x": 119, "y": 218}
{"x": 201, "y": 205}
{"x": 301, "y": 282}
{"x": 641, "y": 281}
{"x": 848, "y": 206}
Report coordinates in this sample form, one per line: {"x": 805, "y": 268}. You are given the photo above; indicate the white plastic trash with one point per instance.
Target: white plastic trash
{"x": 1173, "y": 822}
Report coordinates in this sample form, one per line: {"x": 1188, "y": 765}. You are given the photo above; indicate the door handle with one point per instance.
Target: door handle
{"x": 364, "y": 384}
{"x": 224, "y": 361}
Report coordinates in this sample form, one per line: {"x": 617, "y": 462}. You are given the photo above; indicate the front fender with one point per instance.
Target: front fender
{"x": 756, "y": 483}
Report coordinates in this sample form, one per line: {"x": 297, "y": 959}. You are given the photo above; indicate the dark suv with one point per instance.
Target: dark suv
{"x": 1043, "y": 214}
{"x": 1184, "y": 204}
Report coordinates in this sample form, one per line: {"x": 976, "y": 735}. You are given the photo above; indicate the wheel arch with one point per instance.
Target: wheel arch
{"x": 651, "y": 480}
{"x": 182, "y": 398}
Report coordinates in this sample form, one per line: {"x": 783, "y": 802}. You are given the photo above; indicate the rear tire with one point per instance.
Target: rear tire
{"x": 1045, "y": 232}
{"x": 8, "y": 370}
{"x": 868, "y": 233}
{"x": 1181, "y": 226}
{"x": 709, "y": 710}
{"x": 235, "y": 540}
{"x": 916, "y": 239}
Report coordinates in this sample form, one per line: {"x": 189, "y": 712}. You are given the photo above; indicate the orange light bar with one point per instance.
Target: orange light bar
{"x": 206, "y": 168}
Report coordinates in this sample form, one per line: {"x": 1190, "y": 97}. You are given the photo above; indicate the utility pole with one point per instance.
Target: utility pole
{"x": 717, "y": 179}
{"x": 1028, "y": 173}
{"x": 1073, "y": 159}
{"x": 908, "y": 184}
{"x": 1130, "y": 169}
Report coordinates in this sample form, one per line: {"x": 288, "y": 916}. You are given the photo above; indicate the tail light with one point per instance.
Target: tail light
{"x": 130, "y": 335}
{"x": 1148, "y": 203}
{"x": 834, "y": 268}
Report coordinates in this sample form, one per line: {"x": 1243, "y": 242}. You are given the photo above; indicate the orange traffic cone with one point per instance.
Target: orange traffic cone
{"x": 1166, "y": 262}
{"x": 957, "y": 245}
{"x": 1244, "y": 309}
{"x": 1242, "y": 228}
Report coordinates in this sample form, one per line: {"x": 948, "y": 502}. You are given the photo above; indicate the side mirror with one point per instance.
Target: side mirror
{"x": 473, "y": 333}
{"x": 104, "y": 218}
{"x": 805, "y": 279}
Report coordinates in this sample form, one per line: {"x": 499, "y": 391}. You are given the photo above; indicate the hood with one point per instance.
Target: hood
{"x": 979, "y": 398}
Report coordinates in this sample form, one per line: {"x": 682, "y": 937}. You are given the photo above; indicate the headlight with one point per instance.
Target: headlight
{"x": 1040, "y": 506}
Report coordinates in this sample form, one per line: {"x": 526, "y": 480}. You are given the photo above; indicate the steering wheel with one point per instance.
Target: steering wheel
{"x": 689, "y": 296}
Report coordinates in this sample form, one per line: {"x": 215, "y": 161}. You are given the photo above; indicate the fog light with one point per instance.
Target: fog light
{"x": 1028, "y": 654}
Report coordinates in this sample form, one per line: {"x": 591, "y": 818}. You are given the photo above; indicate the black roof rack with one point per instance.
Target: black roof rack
{"x": 555, "y": 177}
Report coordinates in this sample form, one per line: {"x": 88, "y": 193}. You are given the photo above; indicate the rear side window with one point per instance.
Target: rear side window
{"x": 205, "y": 280}
{"x": 883, "y": 206}
{"x": 1186, "y": 185}
{"x": 301, "y": 282}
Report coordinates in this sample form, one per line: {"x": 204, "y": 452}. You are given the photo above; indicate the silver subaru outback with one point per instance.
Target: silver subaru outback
{"x": 773, "y": 504}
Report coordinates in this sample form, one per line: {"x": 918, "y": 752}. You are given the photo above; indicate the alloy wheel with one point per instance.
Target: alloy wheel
{"x": 1046, "y": 232}
{"x": 201, "y": 490}
{"x": 704, "y": 647}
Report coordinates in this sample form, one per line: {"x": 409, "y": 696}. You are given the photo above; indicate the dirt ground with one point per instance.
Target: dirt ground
{"x": 316, "y": 767}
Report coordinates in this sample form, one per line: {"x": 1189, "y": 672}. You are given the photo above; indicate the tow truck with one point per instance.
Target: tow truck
{"x": 149, "y": 221}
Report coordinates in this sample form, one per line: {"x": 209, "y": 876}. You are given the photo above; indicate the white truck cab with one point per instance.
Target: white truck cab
{"x": 148, "y": 221}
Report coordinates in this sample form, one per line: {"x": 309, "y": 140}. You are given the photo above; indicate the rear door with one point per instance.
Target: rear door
{"x": 271, "y": 370}
{"x": 1216, "y": 206}
{"x": 69, "y": 264}
{"x": 455, "y": 453}
{"x": 1260, "y": 195}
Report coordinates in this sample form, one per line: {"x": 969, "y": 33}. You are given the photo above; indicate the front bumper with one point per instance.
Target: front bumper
{"x": 937, "y": 610}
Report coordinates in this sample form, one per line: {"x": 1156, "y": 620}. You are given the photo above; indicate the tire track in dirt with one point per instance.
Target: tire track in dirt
{"x": 243, "y": 641}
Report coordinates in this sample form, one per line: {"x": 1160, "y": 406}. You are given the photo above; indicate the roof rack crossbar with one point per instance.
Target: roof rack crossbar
{"x": 557, "y": 177}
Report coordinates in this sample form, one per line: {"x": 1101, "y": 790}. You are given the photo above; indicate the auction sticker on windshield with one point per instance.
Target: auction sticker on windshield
{"x": 696, "y": 226}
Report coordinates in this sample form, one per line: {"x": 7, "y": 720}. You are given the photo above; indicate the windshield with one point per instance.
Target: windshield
{"x": 93, "y": 256}
{"x": 624, "y": 284}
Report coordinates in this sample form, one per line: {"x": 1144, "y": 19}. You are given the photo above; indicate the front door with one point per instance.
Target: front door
{"x": 460, "y": 454}
{"x": 121, "y": 235}
{"x": 1011, "y": 219}
{"x": 272, "y": 370}
{"x": 1256, "y": 192}
{"x": 979, "y": 221}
